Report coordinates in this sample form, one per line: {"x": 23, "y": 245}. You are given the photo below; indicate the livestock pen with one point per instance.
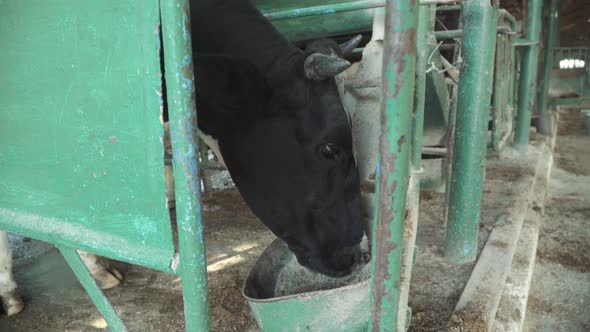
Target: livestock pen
{"x": 462, "y": 86}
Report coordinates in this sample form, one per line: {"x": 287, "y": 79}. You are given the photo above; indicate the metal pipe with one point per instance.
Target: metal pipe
{"x": 525, "y": 42}
{"x": 181, "y": 108}
{"x": 425, "y": 24}
{"x": 508, "y": 17}
{"x": 480, "y": 21}
{"x": 327, "y": 9}
{"x": 449, "y": 34}
{"x": 94, "y": 292}
{"x": 339, "y": 8}
{"x": 420, "y": 85}
{"x": 528, "y": 77}
{"x": 399, "y": 69}
{"x": 448, "y": 8}
{"x": 551, "y": 41}
{"x": 438, "y": 2}
{"x": 499, "y": 95}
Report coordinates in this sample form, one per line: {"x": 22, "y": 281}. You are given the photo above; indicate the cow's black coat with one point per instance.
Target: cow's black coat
{"x": 285, "y": 139}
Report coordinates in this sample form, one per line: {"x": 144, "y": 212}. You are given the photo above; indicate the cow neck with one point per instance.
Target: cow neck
{"x": 236, "y": 28}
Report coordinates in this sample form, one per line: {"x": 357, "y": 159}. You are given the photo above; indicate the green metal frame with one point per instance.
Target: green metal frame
{"x": 183, "y": 122}
{"x": 528, "y": 79}
{"x": 83, "y": 164}
{"x": 503, "y": 108}
{"x": 399, "y": 70}
{"x": 470, "y": 133}
{"x": 402, "y": 117}
{"x": 551, "y": 42}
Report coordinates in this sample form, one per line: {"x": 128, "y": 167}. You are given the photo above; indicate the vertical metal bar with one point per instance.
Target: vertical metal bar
{"x": 551, "y": 39}
{"x": 480, "y": 20}
{"x": 528, "y": 77}
{"x": 424, "y": 13}
{"x": 96, "y": 295}
{"x": 498, "y": 95}
{"x": 448, "y": 165}
{"x": 181, "y": 103}
{"x": 425, "y": 23}
{"x": 399, "y": 70}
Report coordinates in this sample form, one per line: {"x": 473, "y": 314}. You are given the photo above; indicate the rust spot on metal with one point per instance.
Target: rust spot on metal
{"x": 383, "y": 244}
{"x": 400, "y": 143}
{"x": 403, "y": 47}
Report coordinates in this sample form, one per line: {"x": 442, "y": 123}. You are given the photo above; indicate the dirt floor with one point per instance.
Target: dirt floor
{"x": 152, "y": 301}
{"x": 559, "y": 299}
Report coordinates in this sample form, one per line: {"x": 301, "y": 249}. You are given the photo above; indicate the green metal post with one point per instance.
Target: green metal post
{"x": 528, "y": 77}
{"x": 424, "y": 13}
{"x": 96, "y": 295}
{"x": 551, "y": 41}
{"x": 181, "y": 103}
{"x": 479, "y": 21}
{"x": 399, "y": 70}
{"x": 425, "y": 25}
{"x": 500, "y": 94}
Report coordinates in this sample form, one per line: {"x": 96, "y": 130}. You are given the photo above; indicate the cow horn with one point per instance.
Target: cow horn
{"x": 347, "y": 47}
{"x": 319, "y": 66}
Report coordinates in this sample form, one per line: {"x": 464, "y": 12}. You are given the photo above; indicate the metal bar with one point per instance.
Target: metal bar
{"x": 450, "y": 134}
{"x": 528, "y": 79}
{"x": 438, "y": 2}
{"x": 449, "y": 34}
{"x": 571, "y": 103}
{"x": 508, "y": 17}
{"x": 340, "y": 8}
{"x": 425, "y": 24}
{"x": 420, "y": 85}
{"x": 525, "y": 42}
{"x": 181, "y": 103}
{"x": 480, "y": 20}
{"x": 399, "y": 70}
{"x": 96, "y": 295}
{"x": 448, "y": 8}
{"x": 544, "y": 124}
{"x": 324, "y": 10}
{"x": 498, "y": 96}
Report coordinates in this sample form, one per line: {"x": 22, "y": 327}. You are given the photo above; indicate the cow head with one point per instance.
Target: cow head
{"x": 287, "y": 143}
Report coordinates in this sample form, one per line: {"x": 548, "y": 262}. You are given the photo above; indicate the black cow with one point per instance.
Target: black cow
{"x": 281, "y": 129}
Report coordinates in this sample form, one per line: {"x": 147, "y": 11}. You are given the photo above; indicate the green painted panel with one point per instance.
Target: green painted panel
{"x": 80, "y": 130}
{"x": 329, "y": 24}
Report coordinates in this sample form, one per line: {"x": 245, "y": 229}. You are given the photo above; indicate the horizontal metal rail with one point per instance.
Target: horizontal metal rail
{"x": 340, "y": 8}
{"x": 450, "y": 34}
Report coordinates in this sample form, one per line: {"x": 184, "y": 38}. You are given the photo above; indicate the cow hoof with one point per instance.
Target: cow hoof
{"x": 12, "y": 304}
{"x": 107, "y": 278}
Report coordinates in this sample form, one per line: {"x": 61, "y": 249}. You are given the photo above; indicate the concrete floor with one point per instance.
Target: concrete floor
{"x": 151, "y": 301}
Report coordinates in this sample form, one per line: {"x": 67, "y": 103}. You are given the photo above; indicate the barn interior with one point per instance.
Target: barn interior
{"x": 555, "y": 206}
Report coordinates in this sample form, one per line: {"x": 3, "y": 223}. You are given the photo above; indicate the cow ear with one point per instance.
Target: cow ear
{"x": 228, "y": 88}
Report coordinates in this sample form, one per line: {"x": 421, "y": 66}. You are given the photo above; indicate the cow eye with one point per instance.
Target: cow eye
{"x": 329, "y": 150}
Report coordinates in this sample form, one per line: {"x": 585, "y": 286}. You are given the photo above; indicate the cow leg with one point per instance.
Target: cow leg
{"x": 11, "y": 302}
{"x": 106, "y": 277}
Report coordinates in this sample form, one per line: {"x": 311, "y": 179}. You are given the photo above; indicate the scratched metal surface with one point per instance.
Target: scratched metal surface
{"x": 81, "y": 158}
{"x": 304, "y": 28}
